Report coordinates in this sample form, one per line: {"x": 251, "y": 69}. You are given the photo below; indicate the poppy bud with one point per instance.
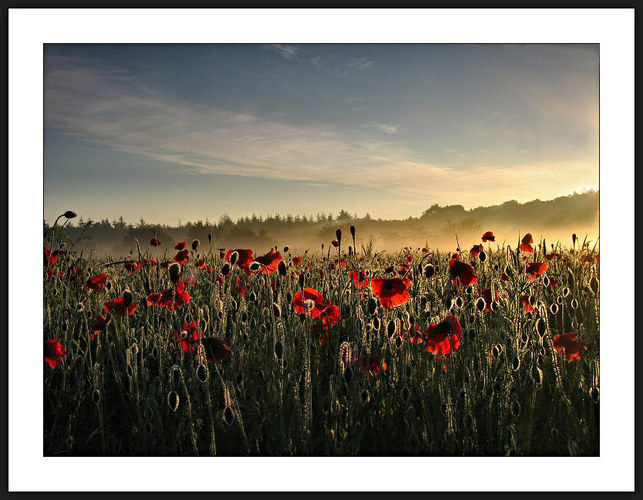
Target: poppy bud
{"x": 391, "y": 328}
{"x": 338, "y": 235}
{"x": 279, "y": 349}
{"x": 281, "y": 267}
{"x": 195, "y": 244}
{"x": 301, "y": 280}
{"x": 175, "y": 270}
{"x": 286, "y": 248}
{"x": 225, "y": 270}
{"x": 209, "y": 238}
{"x": 553, "y": 308}
{"x": 515, "y": 364}
{"x": 276, "y": 310}
{"x": 372, "y": 305}
{"x": 482, "y": 256}
{"x": 429, "y": 271}
{"x": 348, "y": 374}
{"x": 234, "y": 256}
{"x": 352, "y": 230}
{"x": 254, "y": 266}
{"x": 127, "y": 297}
{"x": 574, "y": 239}
{"x": 173, "y": 400}
{"x": 69, "y": 214}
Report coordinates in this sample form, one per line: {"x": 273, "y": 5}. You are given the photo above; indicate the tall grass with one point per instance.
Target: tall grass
{"x": 505, "y": 391}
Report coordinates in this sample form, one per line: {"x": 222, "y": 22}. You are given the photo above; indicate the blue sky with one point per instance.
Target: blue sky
{"x": 188, "y": 132}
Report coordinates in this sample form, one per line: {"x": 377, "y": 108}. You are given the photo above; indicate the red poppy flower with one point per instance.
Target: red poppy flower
{"x": 462, "y": 270}
{"x": 244, "y": 258}
{"x": 188, "y": 343}
{"x": 371, "y": 365}
{"x": 99, "y": 324}
{"x": 239, "y": 288}
{"x": 409, "y": 258}
{"x": 535, "y": 269}
{"x": 335, "y": 243}
{"x": 488, "y": 236}
{"x": 553, "y": 255}
{"x": 131, "y": 267}
{"x": 296, "y": 261}
{"x": 54, "y": 351}
{"x": 119, "y": 305}
{"x": 172, "y": 298}
{"x": 525, "y": 244}
{"x": 155, "y": 242}
{"x": 309, "y": 302}
{"x": 97, "y": 283}
{"x": 414, "y": 333}
{"x": 200, "y": 264}
{"x": 553, "y": 283}
{"x": 475, "y": 250}
{"x": 526, "y": 305}
{"x": 359, "y": 279}
{"x": 49, "y": 257}
{"x": 153, "y": 299}
{"x": 182, "y": 256}
{"x": 486, "y": 295}
{"x": 330, "y": 315}
{"x": 216, "y": 349}
{"x": 74, "y": 273}
{"x": 443, "y": 338}
{"x": 270, "y": 261}
{"x": 180, "y": 245}
{"x": 320, "y": 333}
{"x": 341, "y": 262}
{"x": 573, "y": 347}
{"x": 403, "y": 269}
{"x": 221, "y": 253}
{"x": 392, "y": 292}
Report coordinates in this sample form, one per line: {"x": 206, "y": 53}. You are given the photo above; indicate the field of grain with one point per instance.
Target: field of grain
{"x": 186, "y": 348}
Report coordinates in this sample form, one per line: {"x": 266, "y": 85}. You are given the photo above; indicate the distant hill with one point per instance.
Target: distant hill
{"x": 437, "y": 227}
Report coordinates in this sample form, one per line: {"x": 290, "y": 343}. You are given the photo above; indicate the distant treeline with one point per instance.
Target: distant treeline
{"x": 437, "y": 227}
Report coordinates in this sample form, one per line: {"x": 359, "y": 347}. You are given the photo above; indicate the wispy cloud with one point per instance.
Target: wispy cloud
{"x": 355, "y": 64}
{"x": 112, "y": 109}
{"x": 285, "y": 51}
{"x": 384, "y": 127}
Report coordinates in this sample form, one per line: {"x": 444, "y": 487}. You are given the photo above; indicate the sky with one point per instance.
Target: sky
{"x": 172, "y": 133}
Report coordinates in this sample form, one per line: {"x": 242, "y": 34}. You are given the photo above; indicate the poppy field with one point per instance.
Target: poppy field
{"x": 186, "y": 348}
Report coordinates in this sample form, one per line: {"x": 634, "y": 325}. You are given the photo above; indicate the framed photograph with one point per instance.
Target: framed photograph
{"x": 280, "y": 250}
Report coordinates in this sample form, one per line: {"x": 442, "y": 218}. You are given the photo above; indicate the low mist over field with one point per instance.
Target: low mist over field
{"x": 438, "y": 227}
